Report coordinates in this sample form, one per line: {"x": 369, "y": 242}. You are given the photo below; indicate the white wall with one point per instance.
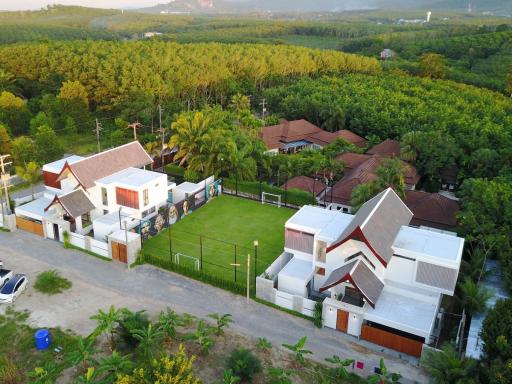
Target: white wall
{"x": 291, "y": 285}
{"x": 299, "y": 255}
{"x": 401, "y": 270}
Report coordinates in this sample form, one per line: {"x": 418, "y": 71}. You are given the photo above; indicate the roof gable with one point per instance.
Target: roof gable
{"x": 106, "y": 163}
{"x": 75, "y": 203}
{"x": 432, "y": 208}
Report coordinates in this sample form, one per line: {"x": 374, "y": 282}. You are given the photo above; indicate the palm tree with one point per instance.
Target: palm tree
{"x": 340, "y": 371}
{"x": 444, "y": 366}
{"x": 148, "y": 338}
{"x": 30, "y": 173}
{"x": 240, "y": 103}
{"x": 83, "y": 354}
{"x": 152, "y": 148}
{"x": 384, "y": 377}
{"x": 362, "y": 193}
{"x": 107, "y": 322}
{"x": 188, "y": 135}
{"x": 114, "y": 365}
{"x": 391, "y": 174}
{"x": 222, "y": 321}
{"x": 409, "y": 146}
{"x": 473, "y": 297}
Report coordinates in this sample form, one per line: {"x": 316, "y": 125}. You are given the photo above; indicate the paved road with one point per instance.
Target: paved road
{"x": 97, "y": 284}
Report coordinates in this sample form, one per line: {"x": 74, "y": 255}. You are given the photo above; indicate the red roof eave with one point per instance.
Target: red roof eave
{"x": 68, "y": 168}
{"x": 57, "y": 200}
{"x": 357, "y": 234}
{"x": 348, "y": 277}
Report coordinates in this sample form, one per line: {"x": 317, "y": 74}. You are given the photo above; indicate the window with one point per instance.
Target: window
{"x": 127, "y": 198}
{"x": 345, "y": 210}
{"x": 104, "y": 196}
{"x": 145, "y": 196}
{"x": 148, "y": 212}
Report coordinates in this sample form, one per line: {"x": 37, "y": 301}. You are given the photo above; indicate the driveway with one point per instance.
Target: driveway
{"x": 98, "y": 284}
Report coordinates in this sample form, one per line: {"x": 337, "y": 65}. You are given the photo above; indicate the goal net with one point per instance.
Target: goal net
{"x": 271, "y": 198}
{"x": 186, "y": 260}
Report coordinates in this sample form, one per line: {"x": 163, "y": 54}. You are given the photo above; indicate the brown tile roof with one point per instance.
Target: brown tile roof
{"x": 106, "y": 163}
{"x": 361, "y": 277}
{"x": 306, "y": 184}
{"x": 289, "y": 131}
{"x": 388, "y": 148}
{"x": 351, "y": 137}
{"x": 378, "y": 222}
{"x": 361, "y": 169}
{"x": 75, "y": 203}
{"x": 432, "y": 209}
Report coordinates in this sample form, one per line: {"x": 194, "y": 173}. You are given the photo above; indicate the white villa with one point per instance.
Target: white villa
{"x": 94, "y": 193}
{"x": 379, "y": 278}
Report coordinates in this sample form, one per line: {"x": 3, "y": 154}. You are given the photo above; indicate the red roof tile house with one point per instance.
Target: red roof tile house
{"x": 432, "y": 210}
{"x": 294, "y": 136}
{"x": 361, "y": 169}
{"x": 307, "y": 184}
{"x": 378, "y": 278}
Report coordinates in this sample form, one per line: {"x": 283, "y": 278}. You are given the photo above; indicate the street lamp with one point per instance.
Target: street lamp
{"x": 256, "y": 243}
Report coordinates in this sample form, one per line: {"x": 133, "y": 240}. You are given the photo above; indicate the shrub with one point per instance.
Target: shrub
{"x": 9, "y": 372}
{"x": 65, "y": 237}
{"x": 192, "y": 176}
{"x": 317, "y": 315}
{"x": 263, "y": 344}
{"x": 51, "y": 282}
{"x": 130, "y": 322}
{"x": 244, "y": 364}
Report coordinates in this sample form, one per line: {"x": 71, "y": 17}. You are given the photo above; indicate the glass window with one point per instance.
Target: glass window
{"x": 104, "y": 196}
{"x": 145, "y": 195}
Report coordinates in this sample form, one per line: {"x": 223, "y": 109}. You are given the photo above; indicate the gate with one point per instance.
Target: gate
{"x": 29, "y": 226}
{"x": 119, "y": 252}
{"x": 391, "y": 340}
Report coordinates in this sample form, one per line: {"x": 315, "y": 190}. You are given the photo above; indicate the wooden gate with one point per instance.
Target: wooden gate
{"x": 342, "y": 321}
{"x": 29, "y": 226}
{"x": 119, "y": 252}
{"x": 391, "y": 340}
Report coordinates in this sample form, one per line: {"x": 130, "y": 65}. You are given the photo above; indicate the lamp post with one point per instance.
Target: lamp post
{"x": 256, "y": 243}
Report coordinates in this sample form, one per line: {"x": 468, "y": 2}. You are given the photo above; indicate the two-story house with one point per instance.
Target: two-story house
{"x": 99, "y": 188}
{"x": 379, "y": 279}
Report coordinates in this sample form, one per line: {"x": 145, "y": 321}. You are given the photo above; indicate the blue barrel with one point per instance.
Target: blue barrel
{"x": 42, "y": 339}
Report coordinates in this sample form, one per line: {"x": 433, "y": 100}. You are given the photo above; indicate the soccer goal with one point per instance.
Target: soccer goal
{"x": 271, "y": 198}
{"x": 179, "y": 257}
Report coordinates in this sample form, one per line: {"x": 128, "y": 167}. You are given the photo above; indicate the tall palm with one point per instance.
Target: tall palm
{"x": 82, "y": 355}
{"x": 473, "y": 297}
{"x": 240, "y": 103}
{"x": 362, "y": 193}
{"x": 409, "y": 146}
{"x": 153, "y": 148}
{"x": 107, "y": 322}
{"x": 31, "y": 173}
{"x": 188, "y": 133}
{"x": 148, "y": 339}
{"x": 391, "y": 174}
{"x": 114, "y": 365}
{"x": 445, "y": 366}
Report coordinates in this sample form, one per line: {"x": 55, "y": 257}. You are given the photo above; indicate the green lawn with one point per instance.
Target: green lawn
{"x": 217, "y": 229}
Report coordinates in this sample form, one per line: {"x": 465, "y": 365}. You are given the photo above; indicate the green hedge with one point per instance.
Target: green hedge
{"x": 194, "y": 274}
{"x": 293, "y": 196}
{"x": 175, "y": 169}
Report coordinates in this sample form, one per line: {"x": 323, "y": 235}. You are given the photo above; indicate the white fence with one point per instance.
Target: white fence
{"x": 89, "y": 244}
{"x": 99, "y": 247}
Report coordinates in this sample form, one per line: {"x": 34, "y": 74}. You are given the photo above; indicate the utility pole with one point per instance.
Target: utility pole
{"x": 97, "y": 130}
{"x": 263, "y": 108}
{"x": 135, "y": 126}
{"x": 162, "y": 133}
{"x": 5, "y": 178}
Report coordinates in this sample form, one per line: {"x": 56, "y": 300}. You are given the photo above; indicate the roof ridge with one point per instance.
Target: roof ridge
{"x": 384, "y": 194}
{"x": 106, "y": 151}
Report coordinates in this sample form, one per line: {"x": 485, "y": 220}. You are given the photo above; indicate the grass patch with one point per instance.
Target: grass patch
{"x": 18, "y": 355}
{"x": 51, "y": 282}
{"x": 221, "y": 233}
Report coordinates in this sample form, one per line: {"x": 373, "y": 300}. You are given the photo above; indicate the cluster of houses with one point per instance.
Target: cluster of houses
{"x": 437, "y": 210}
{"x": 380, "y": 273}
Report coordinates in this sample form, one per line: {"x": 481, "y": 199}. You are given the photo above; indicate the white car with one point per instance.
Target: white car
{"x": 13, "y": 288}
{"x": 5, "y": 275}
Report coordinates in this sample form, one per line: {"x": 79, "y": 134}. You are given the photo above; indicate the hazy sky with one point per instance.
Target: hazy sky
{"x": 14, "y": 5}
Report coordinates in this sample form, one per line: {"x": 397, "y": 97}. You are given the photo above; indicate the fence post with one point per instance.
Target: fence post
{"x": 201, "y": 251}
{"x": 235, "y": 262}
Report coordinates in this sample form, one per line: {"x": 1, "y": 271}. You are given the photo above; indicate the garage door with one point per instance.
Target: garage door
{"x": 29, "y": 226}
{"x": 391, "y": 340}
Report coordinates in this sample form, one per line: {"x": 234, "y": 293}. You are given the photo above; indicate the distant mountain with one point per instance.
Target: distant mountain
{"x": 235, "y": 6}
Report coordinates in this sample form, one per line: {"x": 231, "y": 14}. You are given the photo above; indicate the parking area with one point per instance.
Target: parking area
{"x": 98, "y": 284}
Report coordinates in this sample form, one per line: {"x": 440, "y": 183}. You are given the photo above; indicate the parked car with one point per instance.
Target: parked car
{"x": 13, "y": 288}
{"x": 5, "y": 274}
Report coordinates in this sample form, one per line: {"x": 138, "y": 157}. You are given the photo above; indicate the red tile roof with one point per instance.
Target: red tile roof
{"x": 306, "y": 184}
{"x": 388, "y": 148}
{"x": 289, "y": 131}
{"x": 106, "y": 163}
{"x": 361, "y": 169}
{"x": 432, "y": 209}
